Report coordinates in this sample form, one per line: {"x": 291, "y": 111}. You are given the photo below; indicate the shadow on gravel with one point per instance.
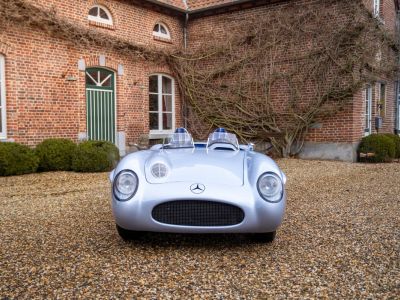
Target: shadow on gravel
{"x": 153, "y": 239}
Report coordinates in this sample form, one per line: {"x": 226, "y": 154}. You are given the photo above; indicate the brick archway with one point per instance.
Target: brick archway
{"x": 101, "y": 61}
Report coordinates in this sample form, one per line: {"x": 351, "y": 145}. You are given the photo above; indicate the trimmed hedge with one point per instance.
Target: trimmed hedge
{"x": 55, "y": 154}
{"x": 396, "y": 139}
{"x": 383, "y": 147}
{"x": 16, "y": 159}
{"x": 95, "y": 156}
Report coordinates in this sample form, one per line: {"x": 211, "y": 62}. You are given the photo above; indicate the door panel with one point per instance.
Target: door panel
{"x": 100, "y": 105}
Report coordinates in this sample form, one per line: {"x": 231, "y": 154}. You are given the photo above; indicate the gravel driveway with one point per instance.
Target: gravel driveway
{"x": 340, "y": 239}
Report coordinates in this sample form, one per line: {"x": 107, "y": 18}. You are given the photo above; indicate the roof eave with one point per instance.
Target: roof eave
{"x": 200, "y": 10}
{"x": 167, "y": 6}
{"x": 219, "y": 6}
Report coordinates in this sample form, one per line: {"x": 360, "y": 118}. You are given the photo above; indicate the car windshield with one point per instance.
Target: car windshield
{"x": 223, "y": 138}
{"x": 179, "y": 140}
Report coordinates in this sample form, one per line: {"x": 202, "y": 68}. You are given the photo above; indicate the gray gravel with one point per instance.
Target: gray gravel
{"x": 340, "y": 239}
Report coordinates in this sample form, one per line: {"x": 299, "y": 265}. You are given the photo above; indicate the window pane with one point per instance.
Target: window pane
{"x": 167, "y": 103}
{"x": 163, "y": 30}
{"x": 89, "y": 80}
{"x": 153, "y": 84}
{"x": 167, "y": 121}
{"x": 156, "y": 28}
{"x": 93, "y": 11}
{"x": 383, "y": 91}
{"x": 166, "y": 85}
{"x": 108, "y": 82}
{"x": 382, "y": 100}
{"x": 104, "y": 75}
{"x": 153, "y": 105}
{"x": 94, "y": 74}
{"x": 103, "y": 14}
{"x": 154, "y": 121}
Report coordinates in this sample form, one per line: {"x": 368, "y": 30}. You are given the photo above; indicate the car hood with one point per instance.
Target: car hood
{"x": 197, "y": 166}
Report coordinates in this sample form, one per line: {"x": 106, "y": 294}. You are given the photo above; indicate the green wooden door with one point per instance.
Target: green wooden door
{"x": 100, "y": 104}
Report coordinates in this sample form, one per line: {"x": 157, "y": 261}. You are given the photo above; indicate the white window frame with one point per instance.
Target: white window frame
{"x": 159, "y": 33}
{"x": 98, "y": 18}
{"x": 368, "y": 110}
{"x": 160, "y": 112}
{"x": 377, "y": 8}
{"x": 3, "y": 129}
{"x": 398, "y": 108}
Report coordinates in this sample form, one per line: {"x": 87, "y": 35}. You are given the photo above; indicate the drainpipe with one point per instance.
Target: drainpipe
{"x": 185, "y": 31}
{"x": 185, "y": 35}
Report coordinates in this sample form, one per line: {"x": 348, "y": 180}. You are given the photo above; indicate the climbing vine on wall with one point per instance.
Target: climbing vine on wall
{"x": 266, "y": 78}
{"x": 20, "y": 14}
{"x": 271, "y": 77}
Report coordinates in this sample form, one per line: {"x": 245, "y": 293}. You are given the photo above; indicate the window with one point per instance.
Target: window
{"x": 377, "y": 8}
{"x": 100, "y": 14}
{"x": 368, "y": 110}
{"x": 3, "y": 124}
{"x": 99, "y": 78}
{"x": 161, "y": 30}
{"x": 161, "y": 103}
{"x": 382, "y": 100}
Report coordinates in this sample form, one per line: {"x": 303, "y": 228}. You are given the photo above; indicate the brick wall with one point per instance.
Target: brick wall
{"x": 347, "y": 126}
{"x": 388, "y": 19}
{"x": 387, "y": 12}
{"x": 43, "y": 102}
{"x": 132, "y": 23}
{"x": 45, "y": 89}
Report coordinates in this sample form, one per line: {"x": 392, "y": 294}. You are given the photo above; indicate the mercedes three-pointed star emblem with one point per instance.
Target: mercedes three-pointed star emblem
{"x": 197, "y": 188}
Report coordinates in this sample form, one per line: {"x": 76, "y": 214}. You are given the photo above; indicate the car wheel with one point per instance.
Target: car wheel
{"x": 265, "y": 237}
{"x": 128, "y": 235}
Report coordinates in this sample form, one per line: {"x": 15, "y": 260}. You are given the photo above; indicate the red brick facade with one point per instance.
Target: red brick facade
{"x": 45, "y": 90}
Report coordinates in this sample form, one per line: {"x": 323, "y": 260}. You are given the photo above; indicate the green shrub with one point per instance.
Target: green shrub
{"x": 383, "y": 147}
{"x": 396, "y": 139}
{"x": 95, "y": 156}
{"x": 16, "y": 159}
{"x": 55, "y": 154}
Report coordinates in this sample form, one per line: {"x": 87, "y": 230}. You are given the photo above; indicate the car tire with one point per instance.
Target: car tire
{"x": 265, "y": 237}
{"x": 128, "y": 235}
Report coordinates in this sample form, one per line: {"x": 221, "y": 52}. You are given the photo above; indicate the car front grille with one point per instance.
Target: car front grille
{"x": 197, "y": 213}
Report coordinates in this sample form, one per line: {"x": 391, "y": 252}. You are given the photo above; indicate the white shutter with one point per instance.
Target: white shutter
{"x": 3, "y": 122}
{"x": 377, "y": 4}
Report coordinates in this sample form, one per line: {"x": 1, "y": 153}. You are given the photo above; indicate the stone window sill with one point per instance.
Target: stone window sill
{"x": 102, "y": 25}
{"x": 160, "y": 39}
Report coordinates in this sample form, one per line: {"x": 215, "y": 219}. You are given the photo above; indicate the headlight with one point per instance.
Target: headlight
{"x": 125, "y": 185}
{"x": 270, "y": 187}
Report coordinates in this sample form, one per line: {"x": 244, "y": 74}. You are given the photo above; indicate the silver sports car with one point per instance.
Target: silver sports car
{"x": 185, "y": 187}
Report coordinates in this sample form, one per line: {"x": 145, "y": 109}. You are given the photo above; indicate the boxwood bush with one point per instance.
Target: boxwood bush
{"x": 383, "y": 147}
{"x": 95, "y": 156}
{"x": 55, "y": 154}
{"x": 16, "y": 159}
{"x": 396, "y": 139}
